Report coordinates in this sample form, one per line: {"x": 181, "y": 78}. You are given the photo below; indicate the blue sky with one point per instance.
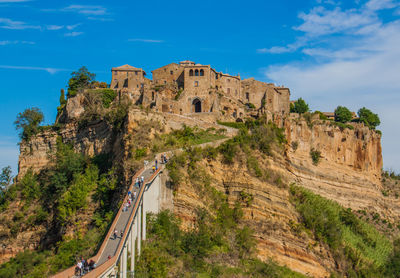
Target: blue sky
{"x": 328, "y": 52}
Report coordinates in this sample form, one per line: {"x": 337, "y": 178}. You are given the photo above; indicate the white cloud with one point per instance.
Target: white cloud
{"x": 71, "y": 27}
{"x": 146, "y": 40}
{"x": 375, "y": 5}
{"x": 49, "y": 70}
{"x": 361, "y": 72}
{"x": 7, "y": 23}
{"x": 73, "y": 34}
{"x": 15, "y": 42}
{"x": 321, "y": 21}
{"x": 86, "y": 9}
{"x": 54, "y": 27}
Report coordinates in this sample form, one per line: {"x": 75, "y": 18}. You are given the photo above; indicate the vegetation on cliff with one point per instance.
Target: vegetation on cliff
{"x": 359, "y": 249}
{"x": 28, "y": 122}
{"x": 219, "y": 244}
{"x": 59, "y": 199}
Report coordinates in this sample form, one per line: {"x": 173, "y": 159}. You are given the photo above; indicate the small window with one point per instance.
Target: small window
{"x": 141, "y": 85}
{"x": 191, "y": 72}
{"x": 137, "y": 86}
{"x": 229, "y": 90}
{"x": 152, "y": 95}
{"x": 247, "y": 96}
{"x": 196, "y": 83}
{"x": 165, "y": 82}
{"x": 171, "y": 72}
{"x": 201, "y": 72}
{"x": 136, "y": 72}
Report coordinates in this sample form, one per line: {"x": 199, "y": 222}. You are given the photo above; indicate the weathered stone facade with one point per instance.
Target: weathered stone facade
{"x": 188, "y": 89}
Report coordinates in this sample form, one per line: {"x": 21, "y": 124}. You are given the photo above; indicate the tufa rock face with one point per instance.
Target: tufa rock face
{"x": 349, "y": 169}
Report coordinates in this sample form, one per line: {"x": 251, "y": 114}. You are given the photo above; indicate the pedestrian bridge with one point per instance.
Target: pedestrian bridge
{"x": 115, "y": 255}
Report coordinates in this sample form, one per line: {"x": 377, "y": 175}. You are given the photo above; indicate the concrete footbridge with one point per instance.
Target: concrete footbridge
{"x": 113, "y": 255}
{"x": 116, "y": 256}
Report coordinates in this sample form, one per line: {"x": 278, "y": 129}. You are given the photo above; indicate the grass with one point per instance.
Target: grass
{"x": 357, "y": 246}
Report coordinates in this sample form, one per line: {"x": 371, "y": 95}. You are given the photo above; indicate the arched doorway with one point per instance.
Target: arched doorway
{"x": 196, "y": 104}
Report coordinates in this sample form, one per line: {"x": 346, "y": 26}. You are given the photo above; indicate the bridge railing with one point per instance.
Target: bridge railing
{"x": 100, "y": 269}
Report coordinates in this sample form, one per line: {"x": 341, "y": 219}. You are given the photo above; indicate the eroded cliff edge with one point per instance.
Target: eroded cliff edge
{"x": 348, "y": 171}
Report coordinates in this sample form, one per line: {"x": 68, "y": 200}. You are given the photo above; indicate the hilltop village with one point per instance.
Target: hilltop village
{"x": 199, "y": 91}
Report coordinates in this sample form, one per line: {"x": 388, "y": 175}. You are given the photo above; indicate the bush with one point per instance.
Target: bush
{"x": 368, "y": 118}
{"x": 79, "y": 80}
{"x": 300, "y": 106}
{"x": 315, "y": 156}
{"x": 250, "y": 105}
{"x": 28, "y": 122}
{"x": 295, "y": 145}
{"x": 343, "y": 114}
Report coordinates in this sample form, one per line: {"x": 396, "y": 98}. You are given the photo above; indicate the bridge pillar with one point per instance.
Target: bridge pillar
{"x": 132, "y": 239}
{"x": 144, "y": 220}
{"x": 139, "y": 226}
{"x": 125, "y": 261}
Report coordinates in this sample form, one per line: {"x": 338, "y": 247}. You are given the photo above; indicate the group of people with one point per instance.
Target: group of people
{"x": 115, "y": 235}
{"x": 163, "y": 160}
{"x": 83, "y": 267}
{"x": 139, "y": 182}
{"x": 131, "y": 198}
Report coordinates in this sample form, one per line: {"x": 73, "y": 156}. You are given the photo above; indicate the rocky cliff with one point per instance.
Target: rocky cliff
{"x": 348, "y": 171}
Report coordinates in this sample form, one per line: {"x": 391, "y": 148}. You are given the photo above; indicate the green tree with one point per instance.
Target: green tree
{"x": 62, "y": 98}
{"x": 5, "y": 178}
{"x": 300, "y": 106}
{"x": 79, "y": 80}
{"x": 342, "y": 114}
{"x": 28, "y": 122}
{"x": 367, "y": 117}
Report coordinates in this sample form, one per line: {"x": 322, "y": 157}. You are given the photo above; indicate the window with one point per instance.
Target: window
{"x": 137, "y": 86}
{"x": 229, "y": 80}
{"x": 171, "y": 72}
{"x": 125, "y": 83}
{"x": 229, "y": 90}
{"x": 196, "y": 83}
{"x": 191, "y": 72}
{"x": 235, "y": 92}
{"x": 136, "y": 72}
{"x": 247, "y": 96}
{"x": 152, "y": 95}
{"x": 165, "y": 82}
{"x": 201, "y": 72}
{"x": 196, "y": 73}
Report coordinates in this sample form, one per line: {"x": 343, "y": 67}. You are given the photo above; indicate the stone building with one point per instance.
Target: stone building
{"x": 200, "y": 91}
{"x": 266, "y": 96}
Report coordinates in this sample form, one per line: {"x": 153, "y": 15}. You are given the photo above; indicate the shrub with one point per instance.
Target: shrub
{"x": 250, "y": 105}
{"x": 295, "y": 145}
{"x": 342, "y": 114}
{"x": 79, "y": 80}
{"x": 368, "y": 118}
{"x": 315, "y": 156}
{"x": 28, "y": 122}
{"x": 300, "y": 106}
